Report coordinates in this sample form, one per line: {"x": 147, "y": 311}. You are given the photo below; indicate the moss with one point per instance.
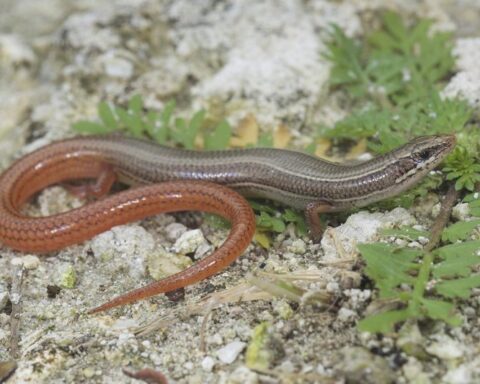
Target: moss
{"x": 68, "y": 278}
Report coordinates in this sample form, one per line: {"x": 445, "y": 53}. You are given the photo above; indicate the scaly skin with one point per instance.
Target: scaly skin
{"x": 292, "y": 178}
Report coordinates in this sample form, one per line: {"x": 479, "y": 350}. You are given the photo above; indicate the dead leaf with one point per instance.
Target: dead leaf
{"x": 6, "y": 369}
{"x": 246, "y": 132}
{"x": 322, "y": 146}
{"x": 358, "y": 149}
{"x": 262, "y": 239}
{"x": 281, "y": 136}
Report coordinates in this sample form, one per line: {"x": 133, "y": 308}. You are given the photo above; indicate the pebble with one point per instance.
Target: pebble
{"x": 459, "y": 375}
{"x": 15, "y": 51}
{"x": 202, "y": 250}
{"x": 287, "y": 366}
{"x": 414, "y": 244}
{"x": 362, "y": 227}
{"x": 89, "y": 372}
{"x": 189, "y": 241}
{"x": 208, "y": 363}
{"x": 423, "y": 240}
{"x": 243, "y": 375}
{"x": 230, "y": 352}
{"x": 346, "y": 315}
{"x": 332, "y": 287}
{"x": 118, "y": 67}
{"x": 298, "y": 246}
{"x": 29, "y": 262}
{"x": 469, "y": 312}
{"x": 413, "y": 371}
{"x": 174, "y": 231}
{"x": 216, "y": 338}
{"x": 446, "y": 348}
{"x": 461, "y": 211}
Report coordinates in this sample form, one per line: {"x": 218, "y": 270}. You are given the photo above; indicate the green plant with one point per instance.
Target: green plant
{"x": 462, "y": 164}
{"x": 161, "y": 126}
{"x": 275, "y": 220}
{"x": 392, "y": 78}
{"x": 395, "y": 65}
{"x": 423, "y": 284}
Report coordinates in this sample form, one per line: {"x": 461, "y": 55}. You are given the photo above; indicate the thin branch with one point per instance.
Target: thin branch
{"x": 442, "y": 218}
{"x": 15, "y": 317}
{"x": 203, "y": 328}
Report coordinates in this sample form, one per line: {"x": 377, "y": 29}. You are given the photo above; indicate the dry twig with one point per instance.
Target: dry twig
{"x": 16, "y": 299}
{"x": 442, "y": 218}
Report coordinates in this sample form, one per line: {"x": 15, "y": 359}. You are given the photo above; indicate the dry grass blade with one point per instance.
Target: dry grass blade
{"x": 248, "y": 291}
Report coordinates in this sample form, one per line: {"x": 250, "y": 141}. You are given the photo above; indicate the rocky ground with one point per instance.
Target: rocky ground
{"x": 58, "y": 59}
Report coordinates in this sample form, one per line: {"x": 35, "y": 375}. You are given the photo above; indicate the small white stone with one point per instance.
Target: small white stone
{"x": 446, "y": 348}
{"x": 332, "y": 287}
{"x": 436, "y": 210}
{"x": 459, "y": 375}
{"x": 189, "y": 241}
{"x": 401, "y": 242}
{"x": 88, "y": 372}
{"x": 320, "y": 369}
{"x": 423, "y": 240}
{"x": 175, "y": 230}
{"x": 358, "y": 297}
{"x": 243, "y": 375}
{"x": 362, "y": 227}
{"x": 29, "y": 261}
{"x": 208, "y": 363}
{"x": 418, "y": 227}
{"x": 230, "y": 352}
{"x": 298, "y": 246}
{"x": 413, "y": 371}
{"x": 15, "y": 51}
{"x": 124, "y": 338}
{"x": 287, "y": 366}
{"x": 414, "y": 244}
{"x": 127, "y": 245}
{"x": 118, "y": 67}
{"x": 188, "y": 366}
{"x": 216, "y": 339}
{"x": 346, "y": 315}
{"x": 461, "y": 211}
{"x": 202, "y": 250}
{"x": 124, "y": 324}
{"x": 466, "y": 82}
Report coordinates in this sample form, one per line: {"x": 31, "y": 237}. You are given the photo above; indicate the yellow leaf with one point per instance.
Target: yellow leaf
{"x": 358, "y": 149}
{"x": 281, "y": 136}
{"x": 247, "y": 132}
{"x": 262, "y": 239}
{"x": 199, "y": 142}
{"x": 322, "y": 146}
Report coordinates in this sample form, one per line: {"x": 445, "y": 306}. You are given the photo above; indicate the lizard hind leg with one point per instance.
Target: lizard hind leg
{"x": 99, "y": 188}
{"x": 312, "y": 215}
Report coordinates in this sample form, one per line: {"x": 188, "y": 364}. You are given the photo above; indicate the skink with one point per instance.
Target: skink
{"x": 289, "y": 177}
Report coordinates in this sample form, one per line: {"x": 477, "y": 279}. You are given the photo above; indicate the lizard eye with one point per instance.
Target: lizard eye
{"x": 424, "y": 154}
